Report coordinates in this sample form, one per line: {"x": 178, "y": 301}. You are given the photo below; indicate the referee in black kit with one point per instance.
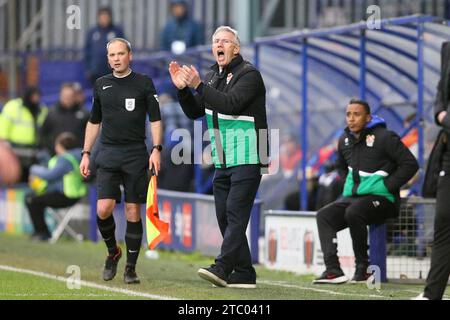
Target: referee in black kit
{"x": 121, "y": 101}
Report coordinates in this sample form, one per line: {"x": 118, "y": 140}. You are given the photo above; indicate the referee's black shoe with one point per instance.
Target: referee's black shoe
{"x": 130, "y": 276}
{"x": 110, "y": 269}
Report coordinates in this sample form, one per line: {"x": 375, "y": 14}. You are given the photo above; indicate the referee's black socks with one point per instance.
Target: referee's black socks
{"x": 107, "y": 229}
{"x": 133, "y": 240}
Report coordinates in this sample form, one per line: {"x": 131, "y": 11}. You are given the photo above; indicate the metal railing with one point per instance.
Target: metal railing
{"x": 409, "y": 239}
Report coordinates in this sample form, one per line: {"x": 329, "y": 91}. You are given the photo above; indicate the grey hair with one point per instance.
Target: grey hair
{"x": 125, "y": 41}
{"x": 230, "y": 30}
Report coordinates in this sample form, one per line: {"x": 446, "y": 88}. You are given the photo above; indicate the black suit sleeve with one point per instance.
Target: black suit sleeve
{"x": 407, "y": 165}
{"x": 441, "y": 104}
{"x": 191, "y": 104}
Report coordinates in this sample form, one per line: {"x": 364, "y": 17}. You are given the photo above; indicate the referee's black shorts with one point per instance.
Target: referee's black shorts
{"x": 122, "y": 165}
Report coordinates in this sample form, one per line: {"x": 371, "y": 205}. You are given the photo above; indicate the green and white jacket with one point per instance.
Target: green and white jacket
{"x": 234, "y": 103}
{"x": 378, "y": 163}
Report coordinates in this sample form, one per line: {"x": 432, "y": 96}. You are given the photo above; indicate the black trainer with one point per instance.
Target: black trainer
{"x": 213, "y": 274}
{"x": 110, "y": 268}
{"x": 130, "y": 276}
{"x": 241, "y": 281}
{"x": 361, "y": 275}
{"x": 331, "y": 277}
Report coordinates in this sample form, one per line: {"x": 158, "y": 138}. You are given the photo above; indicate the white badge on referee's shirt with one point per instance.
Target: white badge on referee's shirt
{"x": 129, "y": 104}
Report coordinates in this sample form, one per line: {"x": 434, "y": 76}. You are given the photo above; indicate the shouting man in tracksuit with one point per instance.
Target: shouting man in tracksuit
{"x": 232, "y": 97}
{"x": 376, "y": 164}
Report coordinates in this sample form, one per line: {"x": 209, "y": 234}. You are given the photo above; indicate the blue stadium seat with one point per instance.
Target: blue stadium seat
{"x": 52, "y": 74}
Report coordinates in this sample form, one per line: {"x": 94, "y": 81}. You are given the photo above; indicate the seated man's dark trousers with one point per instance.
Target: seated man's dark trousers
{"x": 355, "y": 213}
{"x": 36, "y": 206}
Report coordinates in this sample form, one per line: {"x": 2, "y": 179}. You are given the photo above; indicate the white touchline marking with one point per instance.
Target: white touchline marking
{"x": 281, "y": 284}
{"x": 89, "y": 284}
{"x": 56, "y": 295}
{"x": 159, "y": 297}
{"x": 445, "y": 297}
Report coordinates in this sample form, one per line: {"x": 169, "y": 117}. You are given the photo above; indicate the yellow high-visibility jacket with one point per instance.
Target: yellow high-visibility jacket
{"x": 17, "y": 123}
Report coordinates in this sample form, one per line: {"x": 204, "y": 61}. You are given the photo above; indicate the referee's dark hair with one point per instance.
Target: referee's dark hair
{"x": 363, "y": 103}
{"x": 125, "y": 41}
{"x": 67, "y": 140}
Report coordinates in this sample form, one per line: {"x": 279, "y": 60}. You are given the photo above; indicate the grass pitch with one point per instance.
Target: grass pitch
{"x": 30, "y": 270}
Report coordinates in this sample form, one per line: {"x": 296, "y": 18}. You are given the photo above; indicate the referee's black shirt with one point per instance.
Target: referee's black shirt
{"x": 121, "y": 105}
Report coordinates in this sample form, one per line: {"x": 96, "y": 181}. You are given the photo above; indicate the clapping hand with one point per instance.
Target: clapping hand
{"x": 185, "y": 76}
{"x": 191, "y": 76}
{"x": 177, "y": 75}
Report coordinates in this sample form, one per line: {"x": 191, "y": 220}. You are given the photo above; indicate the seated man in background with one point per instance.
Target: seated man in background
{"x": 58, "y": 186}
{"x": 376, "y": 165}
{"x": 67, "y": 115}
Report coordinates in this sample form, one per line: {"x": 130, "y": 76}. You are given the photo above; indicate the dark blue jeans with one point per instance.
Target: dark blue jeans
{"x": 234, "y": 193}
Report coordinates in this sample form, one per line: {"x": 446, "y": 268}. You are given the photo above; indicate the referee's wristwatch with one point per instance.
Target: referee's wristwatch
{"x": 85, "y": 152}
{"x": 158, "y": 147}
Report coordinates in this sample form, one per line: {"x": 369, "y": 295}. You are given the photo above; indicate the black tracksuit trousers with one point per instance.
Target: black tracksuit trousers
{"x": 355, "y": 213}
{"x": 235, "y": 190}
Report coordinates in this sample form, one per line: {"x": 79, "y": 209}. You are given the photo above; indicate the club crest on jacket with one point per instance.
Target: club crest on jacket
{"x": 370, "y": 140}
{"x": 229, "y": 77}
